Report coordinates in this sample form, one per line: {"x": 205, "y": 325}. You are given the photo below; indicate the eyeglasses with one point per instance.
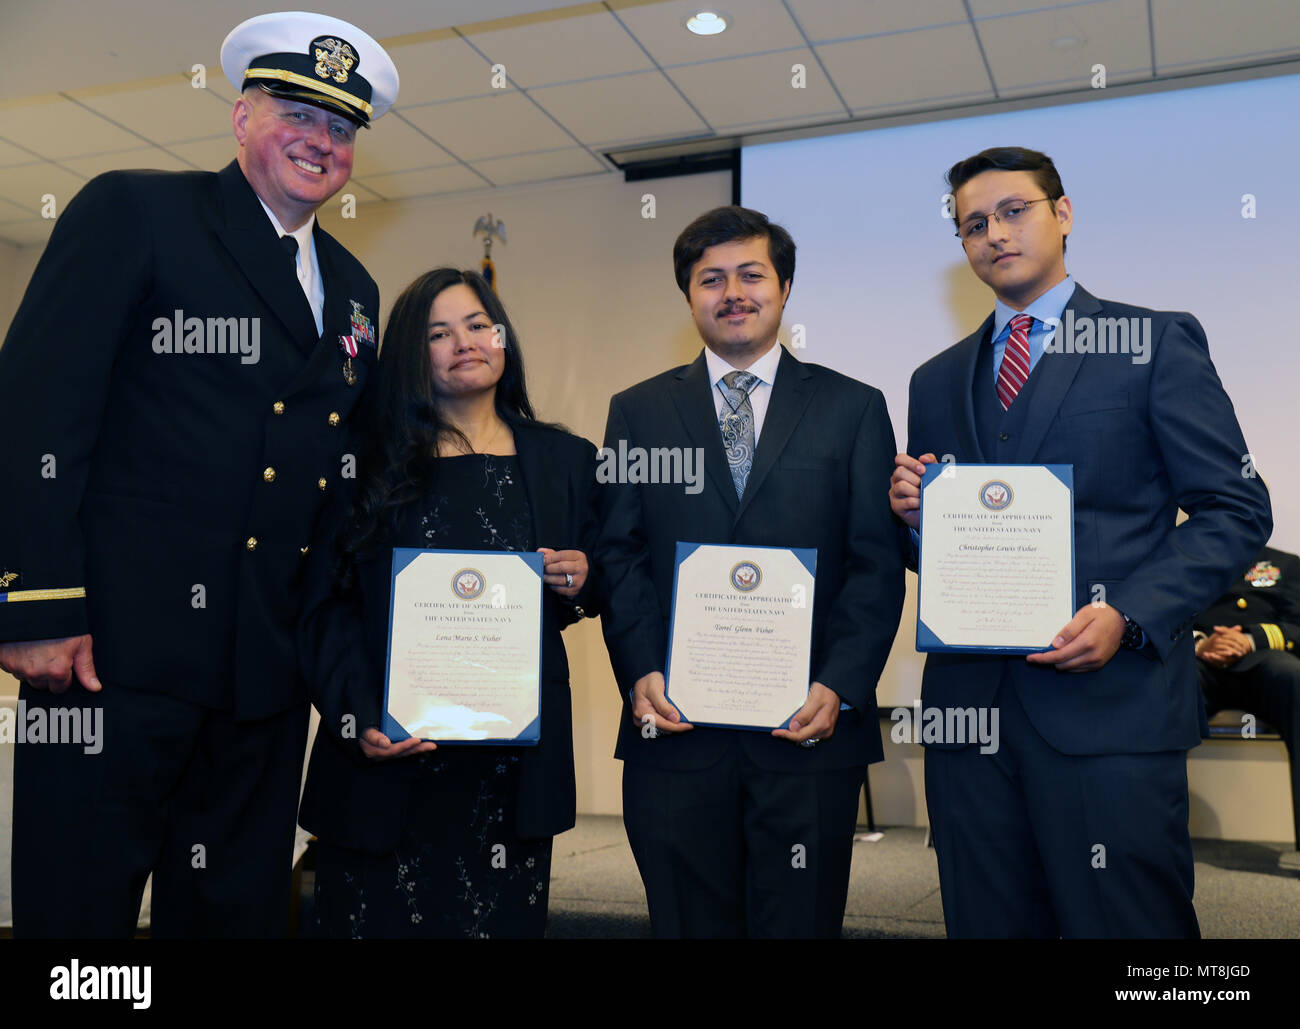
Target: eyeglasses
{"x": 1009, "y": 212}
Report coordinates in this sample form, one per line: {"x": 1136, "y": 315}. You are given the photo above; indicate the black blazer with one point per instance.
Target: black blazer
{"x": 820, "y": 479}
{"x": 186, "y": 484}
{"x": 350, "y": 800}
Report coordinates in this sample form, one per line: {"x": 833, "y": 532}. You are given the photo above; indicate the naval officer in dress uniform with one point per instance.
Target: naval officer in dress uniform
{"x": 1246, "y": 652}
{"x": 176, "y": 384}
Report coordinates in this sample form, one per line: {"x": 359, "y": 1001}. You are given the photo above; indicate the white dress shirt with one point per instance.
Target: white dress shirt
{"x": 764, "y": 368}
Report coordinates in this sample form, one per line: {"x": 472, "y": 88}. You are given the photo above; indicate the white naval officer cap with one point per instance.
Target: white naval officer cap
{"x": 314, "y": 59}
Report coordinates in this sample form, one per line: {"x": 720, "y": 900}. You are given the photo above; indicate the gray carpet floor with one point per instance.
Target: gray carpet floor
{"x": 894, "y": 887}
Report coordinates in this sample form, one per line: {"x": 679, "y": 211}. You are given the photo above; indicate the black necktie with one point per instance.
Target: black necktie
{"x": 290, "y": 245}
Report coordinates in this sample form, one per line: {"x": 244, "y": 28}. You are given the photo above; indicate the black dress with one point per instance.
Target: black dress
{"x": 459, "y": 870}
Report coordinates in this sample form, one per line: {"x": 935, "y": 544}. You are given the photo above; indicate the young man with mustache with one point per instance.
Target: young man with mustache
{"x": 736, "y": 832}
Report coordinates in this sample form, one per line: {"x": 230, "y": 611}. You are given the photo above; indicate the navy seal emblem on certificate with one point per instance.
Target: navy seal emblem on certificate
{"x": 746, "y": 576}
{"x": 996, "y": 495}
{"x": 468, "y": 583}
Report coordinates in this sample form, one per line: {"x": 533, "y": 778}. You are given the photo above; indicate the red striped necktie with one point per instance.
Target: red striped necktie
{"x": 1015, "y": 360}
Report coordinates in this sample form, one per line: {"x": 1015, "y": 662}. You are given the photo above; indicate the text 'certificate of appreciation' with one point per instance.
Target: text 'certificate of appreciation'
{"x": 996, "y": 571}
{"x": 741, "y": 634}
{"x": 464, "y": 647}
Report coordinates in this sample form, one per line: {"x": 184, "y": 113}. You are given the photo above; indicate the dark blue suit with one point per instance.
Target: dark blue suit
{"x": 1077, "y": 826}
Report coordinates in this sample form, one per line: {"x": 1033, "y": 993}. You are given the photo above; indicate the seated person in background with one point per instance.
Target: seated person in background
{"x": 452, "y": 457}
{"x": 1246, "y": 647}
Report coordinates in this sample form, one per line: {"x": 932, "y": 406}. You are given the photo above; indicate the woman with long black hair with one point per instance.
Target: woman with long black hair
{"x": 414, "y": 839}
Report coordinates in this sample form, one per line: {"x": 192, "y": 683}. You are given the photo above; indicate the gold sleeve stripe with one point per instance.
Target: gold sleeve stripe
{"x": 318, "y": 86}
{"x": 15, "y": 596}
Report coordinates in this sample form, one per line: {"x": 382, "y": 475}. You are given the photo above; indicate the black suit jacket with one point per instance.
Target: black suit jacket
{"x": 173, "y": 494}
{"x": 1145, "y": 439}
{"x": 352, "y": 801}
{"x": 820, "y": 479}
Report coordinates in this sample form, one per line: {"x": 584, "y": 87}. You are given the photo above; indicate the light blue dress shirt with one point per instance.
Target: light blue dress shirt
{"x": 1050, "y": 305}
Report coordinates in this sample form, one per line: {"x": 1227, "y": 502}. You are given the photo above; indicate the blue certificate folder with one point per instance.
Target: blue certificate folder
{"x": 402, "y": 557}
{"x": 926, "y": 640}
{"x": 806, "y": 556}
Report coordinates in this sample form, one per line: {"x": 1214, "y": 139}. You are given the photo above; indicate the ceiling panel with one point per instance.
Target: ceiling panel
{"x": 165, "y": 113}
{"x": 13, "y": 213}
{"x": 994, "y": 8}
{"x": 54, "y": 127}
{"x": 26, "y": 184}
{"x": 757, "y": 26}
{"x": 1023, "y": 50}
{"x": 643, "y": 105}
{"x": 824, "y": 20}
{"x": 394, "y": 145}
{"x": 359, "y": 190}
{"x": 10, "y": 154}
{"x": 446, "y": 68}
{"x": 750, "y": 90}
{"x": 207, "y": 154}
{"x": 142, "y": 157}
{"x": 906, "y": 69}
{"x": 554, "y": 164}
{"x": 490, "y": 126}
{"x": 28, "y": 233}
{"x": 426, "y": 181}
{"x": 219, "y": 86}
{"x": 134, "y": 39}
{"x": 578, "y": 43}
{"x": 1195, "y": 33}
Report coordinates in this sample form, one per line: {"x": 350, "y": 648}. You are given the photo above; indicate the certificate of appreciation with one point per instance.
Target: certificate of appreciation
{"x": 996, "y": 568}
{"x": 464, "y": 647}
{"x": 741, "y": 634}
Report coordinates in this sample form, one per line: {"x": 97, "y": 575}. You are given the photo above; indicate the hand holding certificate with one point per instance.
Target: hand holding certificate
{"x": 996, "y": 563}
{"x": 464, "y": 647}
{"x": 741, "y": 634}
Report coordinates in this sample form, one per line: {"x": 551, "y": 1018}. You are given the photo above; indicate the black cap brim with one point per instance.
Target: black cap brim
{"x": 288, "y": 91}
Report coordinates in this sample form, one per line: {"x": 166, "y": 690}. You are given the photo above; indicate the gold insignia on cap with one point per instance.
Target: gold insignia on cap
{"x": 334, "y": 58}
{"x": 1241, "y": 602}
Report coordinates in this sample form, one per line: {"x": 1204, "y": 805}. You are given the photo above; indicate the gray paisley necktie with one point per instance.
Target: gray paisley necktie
{"x": 737, "y": 425}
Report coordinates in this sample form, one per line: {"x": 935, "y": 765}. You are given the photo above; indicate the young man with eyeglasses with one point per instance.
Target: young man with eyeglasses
{"x": 1077, "y": 824}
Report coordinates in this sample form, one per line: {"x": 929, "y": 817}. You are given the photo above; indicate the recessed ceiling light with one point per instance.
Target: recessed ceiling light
{"x": 706, "y": 23}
